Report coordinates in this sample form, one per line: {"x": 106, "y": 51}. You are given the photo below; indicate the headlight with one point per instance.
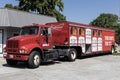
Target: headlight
{"x": 23, "y": 51}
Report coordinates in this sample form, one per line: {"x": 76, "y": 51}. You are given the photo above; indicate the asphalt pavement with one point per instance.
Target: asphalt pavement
{"x": 104, "y": 67}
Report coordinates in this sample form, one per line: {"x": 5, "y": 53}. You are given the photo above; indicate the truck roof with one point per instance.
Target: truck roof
{"x": 34, "y": 24}
{"x": 83, "y": 25}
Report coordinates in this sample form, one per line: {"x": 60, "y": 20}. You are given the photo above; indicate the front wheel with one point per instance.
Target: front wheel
{"x": 72, "y": 55}
{"x": 34, "y": 59}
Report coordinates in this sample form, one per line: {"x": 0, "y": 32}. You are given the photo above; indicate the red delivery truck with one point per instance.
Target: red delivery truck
{"x": 40, "y": 43}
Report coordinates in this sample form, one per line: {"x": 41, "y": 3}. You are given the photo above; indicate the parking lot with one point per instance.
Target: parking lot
{"x": 104, "y": 67}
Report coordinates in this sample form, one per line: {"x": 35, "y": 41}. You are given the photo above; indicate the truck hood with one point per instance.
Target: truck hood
{"x": 22, "y": 38}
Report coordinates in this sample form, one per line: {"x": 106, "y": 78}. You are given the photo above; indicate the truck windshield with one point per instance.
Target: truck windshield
{"x": 33, "y": 30}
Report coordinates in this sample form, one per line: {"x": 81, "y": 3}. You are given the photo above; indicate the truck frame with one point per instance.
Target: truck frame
{"x": 40, "y": 43}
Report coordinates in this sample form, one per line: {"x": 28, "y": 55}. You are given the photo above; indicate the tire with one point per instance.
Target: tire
{"x": 72, "y": 55}
{"x": 34, "y": 59}
{"x": 11, "y": 62}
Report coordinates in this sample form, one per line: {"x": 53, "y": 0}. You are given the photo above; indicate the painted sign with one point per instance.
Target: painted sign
{"x": 73, "y": 41}
{"x": 94, "y": 44}
{"x": 99, "y": 44}
{"x": 81, "y": 43}
{"x": 88, "y": 36}
{"x": 108, "y": 40}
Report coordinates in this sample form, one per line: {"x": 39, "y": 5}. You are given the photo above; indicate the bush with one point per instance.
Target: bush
{"x": 116, "y": 53}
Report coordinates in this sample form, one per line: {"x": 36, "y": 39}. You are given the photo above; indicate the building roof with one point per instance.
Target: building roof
{"x": 16, "y": 18}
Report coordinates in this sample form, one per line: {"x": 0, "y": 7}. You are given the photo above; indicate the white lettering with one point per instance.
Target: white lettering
{"x": 109, "y": 37}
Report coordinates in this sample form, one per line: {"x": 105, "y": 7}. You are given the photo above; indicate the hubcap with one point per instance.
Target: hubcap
{"x": 73, "y": 55}
{"x": 36, "y": 60}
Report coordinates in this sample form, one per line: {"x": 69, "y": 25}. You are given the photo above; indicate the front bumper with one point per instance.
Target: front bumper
{"x": 16, "y": 57}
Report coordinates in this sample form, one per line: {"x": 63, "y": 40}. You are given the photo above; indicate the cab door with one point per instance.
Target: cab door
{"x": 46, "y": 37}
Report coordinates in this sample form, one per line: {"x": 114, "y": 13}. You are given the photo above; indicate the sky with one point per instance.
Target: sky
{"x": 83, "y": 11}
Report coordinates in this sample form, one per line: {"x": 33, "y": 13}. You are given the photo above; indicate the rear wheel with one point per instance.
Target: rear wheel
{"x": 34, "y": 59}
{"x": 11, "y": 62}
{"x": 72, "y": 55}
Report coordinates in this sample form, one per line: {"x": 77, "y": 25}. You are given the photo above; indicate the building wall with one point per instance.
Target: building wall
{"x": 3, "y": 40}
{"x": 4, "y": 35}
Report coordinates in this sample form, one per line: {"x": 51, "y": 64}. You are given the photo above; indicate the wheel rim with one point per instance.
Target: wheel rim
{"x": 36, "y": 60}
{"x": 73, "y": 55}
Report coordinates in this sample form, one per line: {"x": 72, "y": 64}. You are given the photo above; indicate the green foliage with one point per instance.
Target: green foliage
{"x": 52, "y": 8}
{"x": 105, "y": 20}
{"x": 117, "y": 30}
{"x": 46, "y": 7}
{"x": 11, "y": 6}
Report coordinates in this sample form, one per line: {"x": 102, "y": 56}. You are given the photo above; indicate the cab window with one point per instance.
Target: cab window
{"x": 44, "y": 31}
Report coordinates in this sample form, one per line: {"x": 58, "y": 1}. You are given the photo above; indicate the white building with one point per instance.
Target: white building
{"x": 11, "y": 20}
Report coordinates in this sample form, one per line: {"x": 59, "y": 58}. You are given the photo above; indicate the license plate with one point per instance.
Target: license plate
{"x": 10, "y": 56}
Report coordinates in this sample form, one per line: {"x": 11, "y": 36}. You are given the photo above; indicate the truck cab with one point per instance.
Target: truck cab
{"x": 29, "y": 45}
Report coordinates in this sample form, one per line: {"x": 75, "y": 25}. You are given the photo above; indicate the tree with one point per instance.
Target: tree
{"x": 11, "y": 6}
{"x": 105, "y": 20}
{"x": 117, "y": 31}
{"x": 46, "y": 7}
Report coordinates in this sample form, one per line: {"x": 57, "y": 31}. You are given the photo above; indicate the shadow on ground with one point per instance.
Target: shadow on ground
{"x": 94, "y": 55}
{"x": 23, "y": 65}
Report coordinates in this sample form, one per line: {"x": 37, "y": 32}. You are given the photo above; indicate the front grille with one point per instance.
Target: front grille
{"x": 12, "y": 50}
{"x": 12, "y": 44}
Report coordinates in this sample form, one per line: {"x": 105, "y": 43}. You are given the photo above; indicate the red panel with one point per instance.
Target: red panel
{"x": 108, "y": 40}
{"x": 60, "y": 33}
